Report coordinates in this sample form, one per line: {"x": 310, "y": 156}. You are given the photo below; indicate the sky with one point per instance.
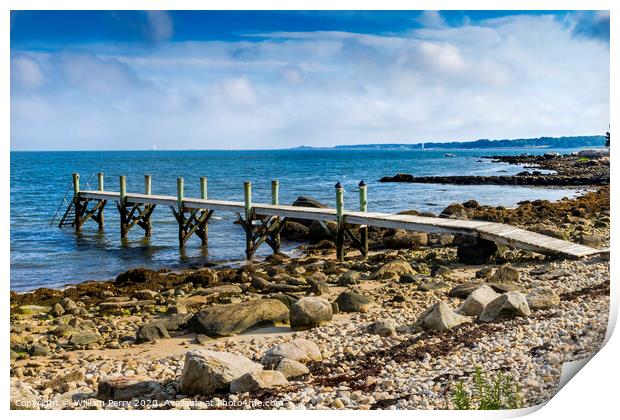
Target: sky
{"x": 132, "y": 80}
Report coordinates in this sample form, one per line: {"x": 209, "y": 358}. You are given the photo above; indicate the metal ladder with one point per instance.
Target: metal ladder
{"x": 68, "y": 218}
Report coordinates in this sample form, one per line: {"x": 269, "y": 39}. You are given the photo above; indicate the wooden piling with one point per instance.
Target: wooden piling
{"x": 100, "y": 187}
{"x": 275, "y": 200}
{"x": 203, "y": 229}
{"x": 340, "y": 221}
{"x": 77, "y": 205}
{"x": 122, "y": 205}
{"x": 363, "y": 189}
{"x": 247, "y": 198}
{"x": 181, "y": 211}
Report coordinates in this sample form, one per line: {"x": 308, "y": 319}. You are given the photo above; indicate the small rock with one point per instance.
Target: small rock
{"x": 349, "y": 278}
{"x": 463, "y": 290}
{"x": 149, "y": 333}
{"x": 262, "y": 379}
{"x": 292, "y": 369}
{"x": 440, "y": 317}
{"x": 504, "y": 287}
{"x": 84, "y": 337}
{"x": 383, "y": 328}
{"x": 433, "y": 285}
{"x": 57, "y": 310}
{"x": 349, "y": 301}
{"x": 484, "y": 273}
{"x": 126, "y": 388}
{"x": 477, "y": 301}
{"x": 392, "y": 270}
{"x": 506, "y": 274}
{"x": 300, "y": 350}
{"x": 543, "y": 298}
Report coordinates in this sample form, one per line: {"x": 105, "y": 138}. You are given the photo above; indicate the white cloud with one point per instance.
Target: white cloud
{"x": 26, "y": 72}
{"x": 523, "y": 76}
{"x": 160, "y": 25}
{"x": 431, "y": 19}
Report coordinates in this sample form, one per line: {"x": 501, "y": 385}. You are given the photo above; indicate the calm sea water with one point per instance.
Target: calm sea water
{"x": 43, "y": 255}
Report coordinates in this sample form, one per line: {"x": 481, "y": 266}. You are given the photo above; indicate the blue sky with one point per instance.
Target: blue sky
{"x": 238, "y": 80}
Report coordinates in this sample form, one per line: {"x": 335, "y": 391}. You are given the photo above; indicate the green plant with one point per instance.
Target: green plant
{"x": 583, "y": 160}
{"x": 499, "y": 392}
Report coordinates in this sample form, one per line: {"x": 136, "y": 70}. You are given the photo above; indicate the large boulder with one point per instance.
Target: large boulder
{"x": 454, "y": 211}
{"x": 300, "y": 350}
{"x": 505, "y": 274}
{"x": 295, "y": 231}
{"x": 151, "y": 332}
{"x": 126, "y": 388}
{"x": 507, "y": 305}
{"x": 477, "y": 301}
{"x": 206, "y": 372}
{"x": 235, "y": 318}
{"x": 254, "y": 381}
{"x": 350, "y": 301}
{"x": 542, "y": 298}
{"x": 392, "y": 270}
{"x": 481, "y": 252}
{"x": 440, "y": 317}
{"x": 310, "y": 312}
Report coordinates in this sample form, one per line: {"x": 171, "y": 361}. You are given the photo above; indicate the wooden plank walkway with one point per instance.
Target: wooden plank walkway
{"x": 497, "y": 232}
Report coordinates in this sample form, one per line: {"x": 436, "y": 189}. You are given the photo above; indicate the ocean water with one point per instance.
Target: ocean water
{"x": 44, "y": 255}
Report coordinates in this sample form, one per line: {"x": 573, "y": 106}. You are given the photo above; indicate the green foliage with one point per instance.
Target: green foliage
{"x": 499, "y": 392}
{"x": 583, "y": 160}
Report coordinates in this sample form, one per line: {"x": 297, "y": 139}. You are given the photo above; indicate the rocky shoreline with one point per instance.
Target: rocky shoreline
{"x": 397, "y": 330}
{"x": 587, "y": 168}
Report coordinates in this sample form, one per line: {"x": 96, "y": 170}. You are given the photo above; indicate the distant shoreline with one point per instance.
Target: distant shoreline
{"x": 572, "y": 142}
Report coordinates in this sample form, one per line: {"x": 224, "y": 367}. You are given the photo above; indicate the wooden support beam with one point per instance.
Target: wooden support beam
{"x": 122, "y": 205}
{"x": 363, "y": 208}
{"x": 100, "y": 187}
{"x": 340, "y": 221}
{"x": 248, "y": 223}
{"x": 195, "y": 223}
{"x": 78, "y": 210}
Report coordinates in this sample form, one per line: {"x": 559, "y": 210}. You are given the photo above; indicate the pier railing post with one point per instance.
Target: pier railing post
{"x": 147, "y": 184}
{"x": 275, "y": 191}
{"x": 100, "y": 181}
{"x": 122, "y": 204}
{"x": 247, "y": 198}
{"x": 340, "y": 221}
{"x": 203, "y": 187}
{"x": 363, "y": 208}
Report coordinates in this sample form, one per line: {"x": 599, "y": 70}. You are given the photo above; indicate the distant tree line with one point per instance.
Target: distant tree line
{"x": 556, "y": 142}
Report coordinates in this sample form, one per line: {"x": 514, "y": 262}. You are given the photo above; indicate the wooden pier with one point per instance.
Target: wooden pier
{"x": 263, "y": 223}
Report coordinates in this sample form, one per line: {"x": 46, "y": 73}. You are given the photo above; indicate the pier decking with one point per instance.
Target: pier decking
{"x": 264, "y": 222}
